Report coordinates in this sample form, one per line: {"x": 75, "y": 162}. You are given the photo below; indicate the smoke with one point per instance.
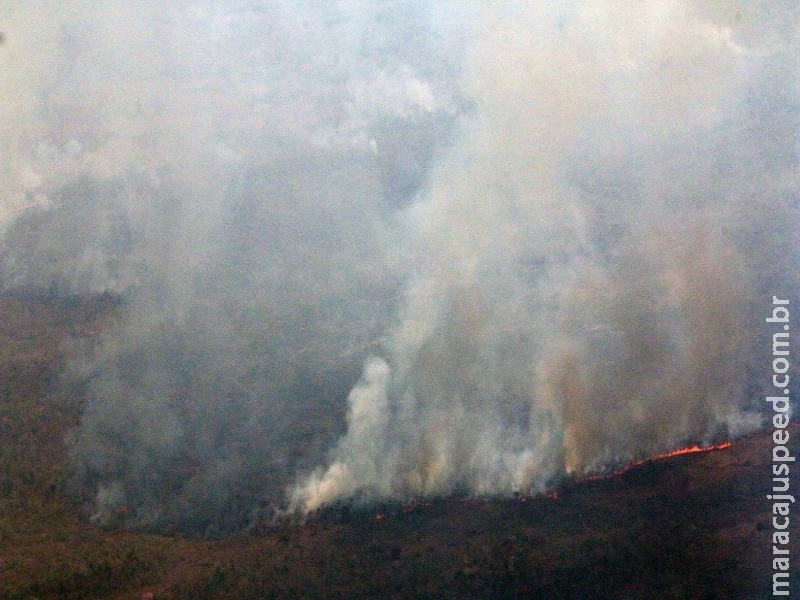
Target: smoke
{"x": 391, "y": 249}
{"x": 586, "y": 289}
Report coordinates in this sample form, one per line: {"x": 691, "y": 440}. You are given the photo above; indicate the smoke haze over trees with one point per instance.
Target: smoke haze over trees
{"x": 388, "y": 249}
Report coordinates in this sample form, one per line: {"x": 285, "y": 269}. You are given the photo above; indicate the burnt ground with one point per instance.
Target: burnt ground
{"x": 694, "y": 526}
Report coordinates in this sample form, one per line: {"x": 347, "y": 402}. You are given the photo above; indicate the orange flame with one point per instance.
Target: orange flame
{"x": 679, "y": 452}
{"x": 554, "y": 495}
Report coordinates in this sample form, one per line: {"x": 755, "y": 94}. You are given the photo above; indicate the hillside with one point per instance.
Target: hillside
{"x": 692, "y": 526}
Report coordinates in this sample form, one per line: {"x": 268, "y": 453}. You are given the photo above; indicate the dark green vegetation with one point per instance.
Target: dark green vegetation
{"x": 695, "y": 526}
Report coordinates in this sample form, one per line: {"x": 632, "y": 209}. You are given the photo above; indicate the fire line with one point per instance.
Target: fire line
{"x": 673, "y": 453}
{"x": 554, "y": 495}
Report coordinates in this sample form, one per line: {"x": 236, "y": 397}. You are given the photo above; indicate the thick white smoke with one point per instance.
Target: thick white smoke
{"x": 544, "y": 231}
{"x": 589, "y": 273}
{"x": 232, "y": 172}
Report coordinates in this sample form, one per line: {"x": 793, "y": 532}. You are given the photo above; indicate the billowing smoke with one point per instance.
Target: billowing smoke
{"x": 380, "y": 250}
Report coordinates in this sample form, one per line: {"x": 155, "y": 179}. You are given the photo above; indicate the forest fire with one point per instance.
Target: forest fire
{"x": 673, "y": 453}
{"x": 555, "y": 495}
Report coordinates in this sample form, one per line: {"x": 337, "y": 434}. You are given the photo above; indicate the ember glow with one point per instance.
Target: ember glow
{"x": 555, "y": 495}
{"x": 679, "y": 452}
{"x": 689, "y": 450}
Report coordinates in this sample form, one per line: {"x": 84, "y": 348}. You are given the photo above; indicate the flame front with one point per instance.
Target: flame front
{"x": 679, "y": 452}
{"x": 555, "y": 495}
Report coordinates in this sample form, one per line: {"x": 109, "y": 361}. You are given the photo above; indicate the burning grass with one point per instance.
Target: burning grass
{"x": 693, "y": 449}
{"x": 697, "y": 527}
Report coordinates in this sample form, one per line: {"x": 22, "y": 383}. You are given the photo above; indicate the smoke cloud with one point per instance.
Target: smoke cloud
{"x": 585, "y": 278}
{"x": 383, "y": 250}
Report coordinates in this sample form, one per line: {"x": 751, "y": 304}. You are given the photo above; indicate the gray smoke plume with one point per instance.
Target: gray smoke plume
{"x": 590, "y": 255}
{"x": 392, "y": 249}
